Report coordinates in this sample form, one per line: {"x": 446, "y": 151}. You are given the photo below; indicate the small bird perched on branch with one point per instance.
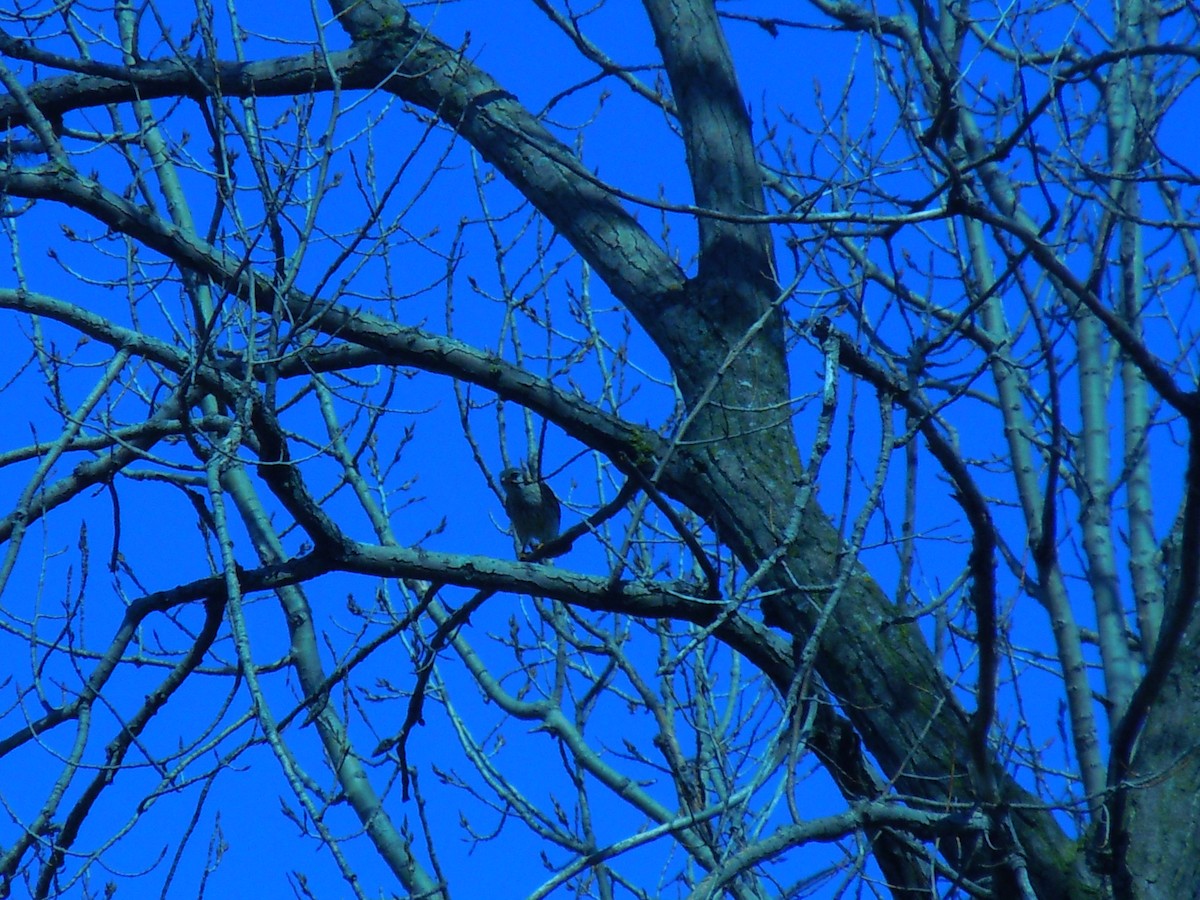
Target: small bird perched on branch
{"x": 531, "y": 506}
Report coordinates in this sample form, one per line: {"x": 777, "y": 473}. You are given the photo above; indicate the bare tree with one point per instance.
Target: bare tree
{"x": 876, "y": 440}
